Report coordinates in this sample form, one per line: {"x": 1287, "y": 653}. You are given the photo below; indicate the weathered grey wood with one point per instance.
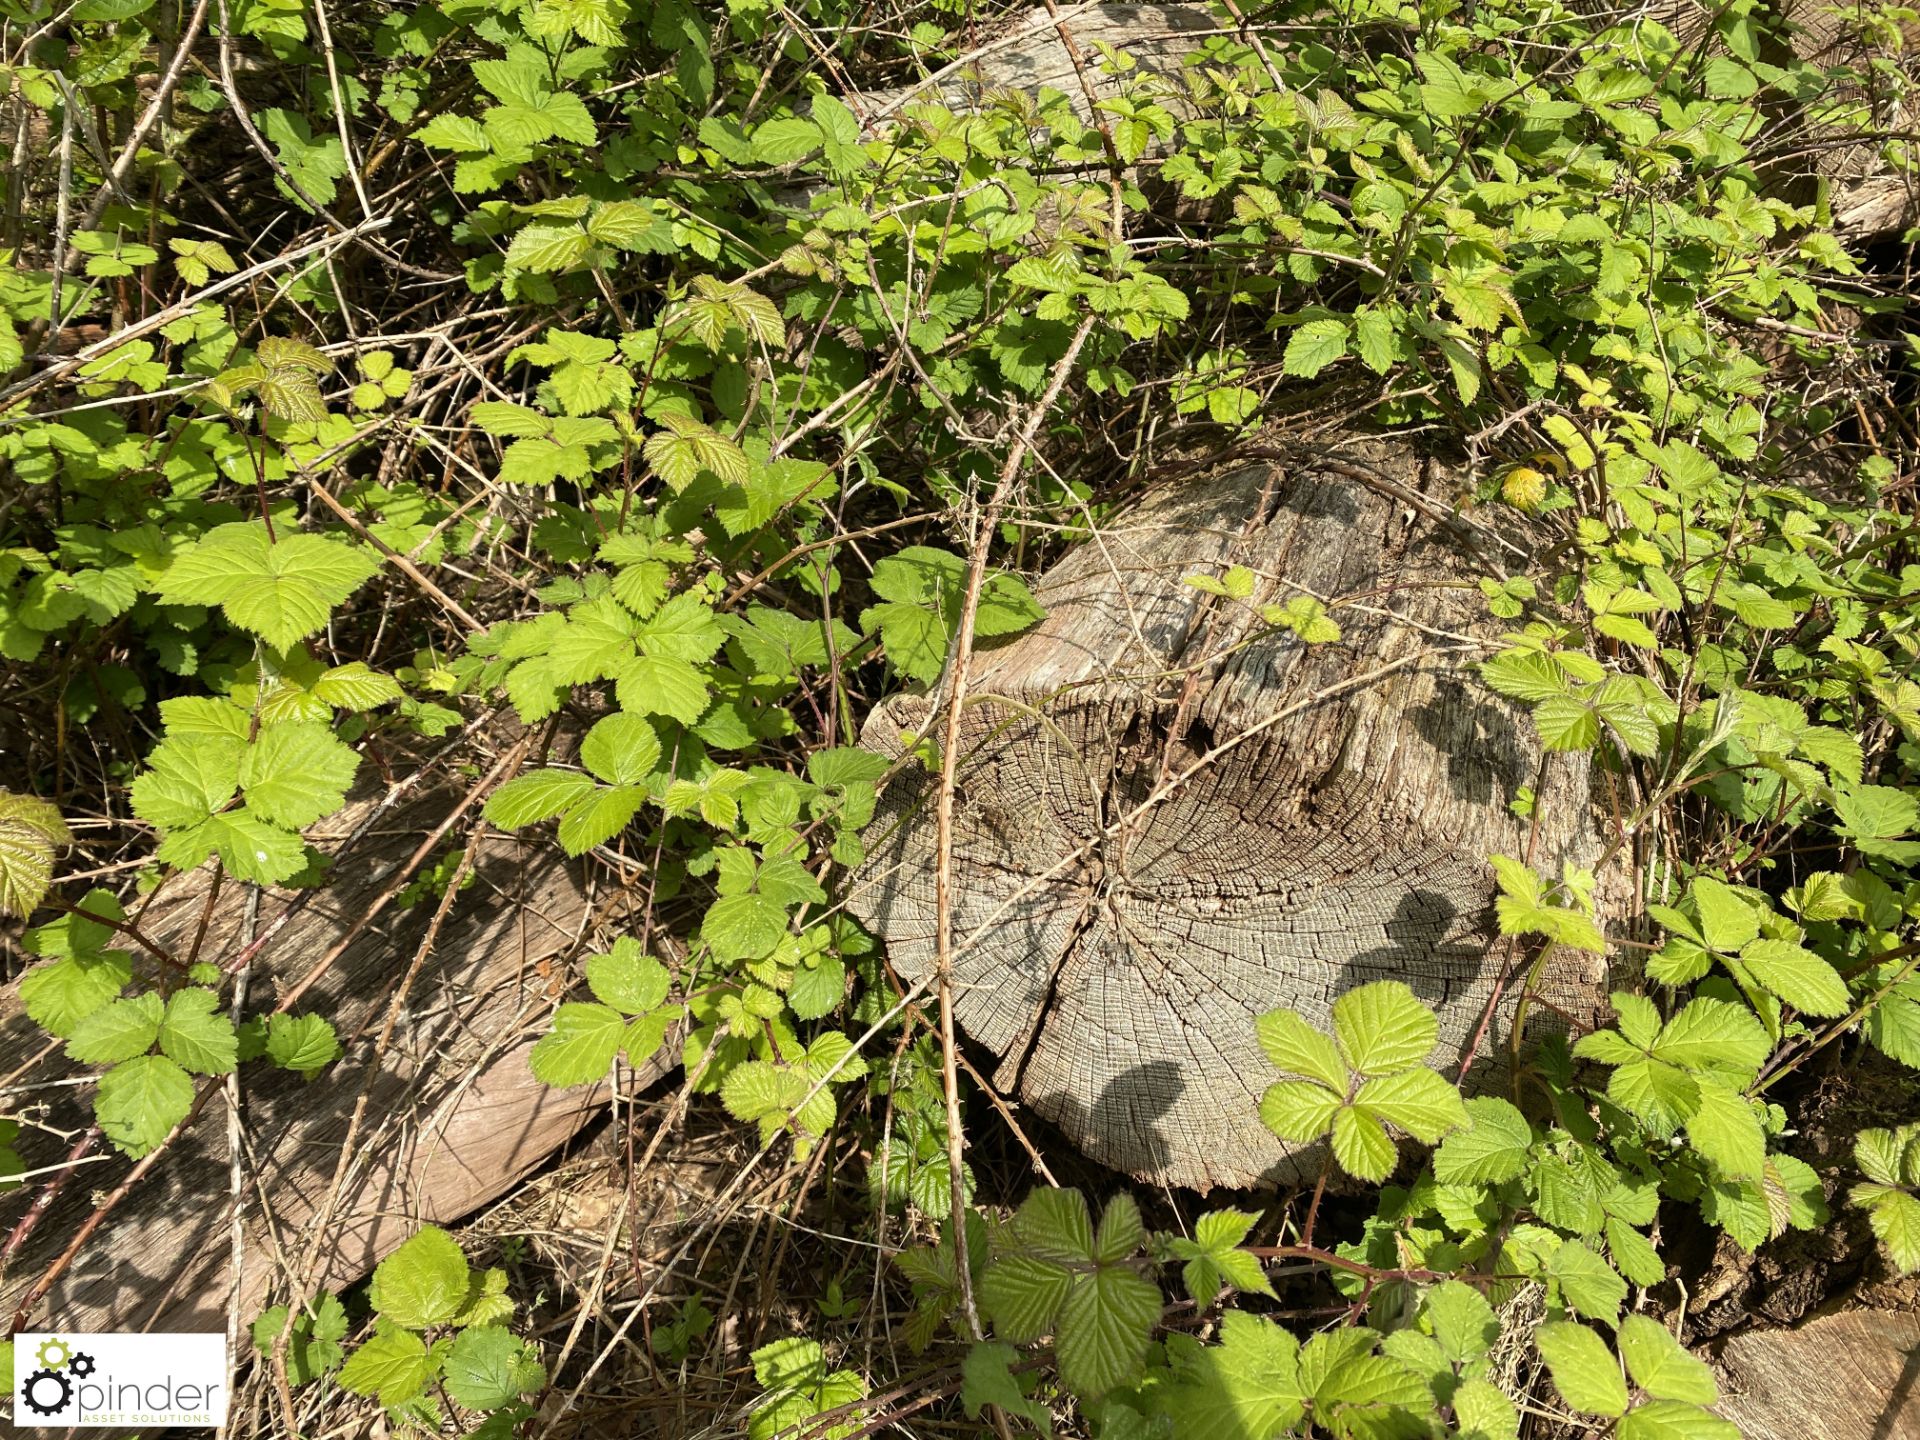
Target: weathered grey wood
{"x": 455, "y": 1120}
{"x": 1854, "y": 1375}
{"x": 1118, "y": 955}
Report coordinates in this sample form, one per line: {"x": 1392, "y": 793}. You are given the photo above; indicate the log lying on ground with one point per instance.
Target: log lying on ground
{"x": 1128, "y": 906}
{"x": 455, "y": 1118}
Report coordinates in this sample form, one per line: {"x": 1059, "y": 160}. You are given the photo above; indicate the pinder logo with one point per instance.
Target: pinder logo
{"x": 114, "y": 1378}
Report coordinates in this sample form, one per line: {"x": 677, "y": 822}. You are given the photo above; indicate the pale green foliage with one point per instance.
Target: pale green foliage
{"x": 438, "y": 1323}
{"x": 1054, "y": 1272}
{"x": 631, "y": 1017}
{"x": 281, "y": 589}
{"x": 764, "y": 352}
{"x": 921, "y": 592}
{"x": 797, "y": 1385}
{"x": 1371, "y": 1075}
{"x": 1675, "y": 1387}
{"x": 31, "y": 830}
{"x": 1890, "y": 1159}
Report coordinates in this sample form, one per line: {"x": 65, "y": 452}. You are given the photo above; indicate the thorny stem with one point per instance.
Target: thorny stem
{"x": 956, "y": 699}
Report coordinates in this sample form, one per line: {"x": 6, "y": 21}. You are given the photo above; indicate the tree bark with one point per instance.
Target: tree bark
{"x": 1174, "y": 817}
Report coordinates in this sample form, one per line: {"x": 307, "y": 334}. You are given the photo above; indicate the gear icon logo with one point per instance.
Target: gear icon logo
{"x": 54, "y": 1353}
{"x": 35, "y": 1392}
{"x": 82, "y": 1365}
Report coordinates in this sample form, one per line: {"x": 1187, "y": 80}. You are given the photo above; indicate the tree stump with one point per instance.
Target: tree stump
{"x": 1850, "y": 1375}
{"x": 1173, "y": 817}
{"x": 455, "y": 1117}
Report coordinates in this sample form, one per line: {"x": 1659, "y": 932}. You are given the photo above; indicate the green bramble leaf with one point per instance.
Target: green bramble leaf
{"x": 281, "y": 590}
{"x": 393, "y": 1366}
{"x": 487, "y": 1367}
{"x": 1583, "y": 1368}
{"x": 1294, "y": 1046}
{"x": 1362, "y": 1145}
{"x": 139, "y": 1101}
{"x": 1418, "y": 1101}
{"x": 304, "y": 1044}
{"x": 423, "y": 1283}
{"x": 1313, "y": 346}
{"x": 1247, "y": 1385}
{"x": 1495, "y": 1147}
{"x": 31, "y": 830}
{"x": 1661, "y": 1366}
{"x": 1213, "y": 1258}
{"x": 580, "y": 1047}
{"x": 195, "y": 1035}
{"x": 1382, "y": 1027}
{"x": 1105, "y": 1323}
{"x": 296, "y": 774}
{"x": 117, "y": 1031}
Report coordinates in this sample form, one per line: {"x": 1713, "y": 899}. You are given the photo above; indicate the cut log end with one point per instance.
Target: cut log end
{"x": 1172, "y": 818}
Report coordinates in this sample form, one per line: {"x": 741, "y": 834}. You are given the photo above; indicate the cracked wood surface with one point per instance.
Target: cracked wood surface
{"x": 456, "y": 1120}
{"x": 1126, "y": 907}
{"x": 1851, "y": 1375}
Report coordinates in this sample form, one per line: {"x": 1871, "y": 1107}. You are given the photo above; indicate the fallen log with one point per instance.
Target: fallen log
{"x": 1172, "y": 817}
{"x": 455, "y": 1119}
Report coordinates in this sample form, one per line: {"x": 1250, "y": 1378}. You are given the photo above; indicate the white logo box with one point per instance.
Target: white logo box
{"x": 68, "y": 1378}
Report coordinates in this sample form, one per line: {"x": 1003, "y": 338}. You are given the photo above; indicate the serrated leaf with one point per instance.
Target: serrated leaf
{"x": 1298, "y": 1110}
{"x": 1661, "y": 1366}
{"x": 31, "y": 830}
{"x": 304, "y": 1044}
{"x": 1382, "y": 1027}
{"x": 140, "y": 1101}
{"x": 621, "y": 749}
{"x": 1587, "y": 1282}
{"x": 1418, "y": 1101}
{"x": 1313, "y": 346}
{"x": 1055, "y": 1225}
{"x": 195, "y": 1035}
{"x": 1295, "y": 1047}
{"x": 1362, "y": 1145}
{"x": 117, "y": 1031}
{"x": 1103, "y": 1330}
{"x": 487, "y": 1367}
{"x": 1495, "y": 1147}
{"x": 1727, "y": 920}
{"x": 1895, "y": 1218}
{"x": 536, "y": 796}
{"x": 1121, "y": 1231}
{"x": 580, "y": 1047}
{"x": 1246, "y": 1386}
{"x": 1674, "y": 1420}
{"x": 544, "y": 247}
{"x": 281, "y": 590}
{"x": 1797, "y": 976}
{"x": 1022, "y": 1295}
{"x": 296, "y": 774}
{"x": 392, "y": 1367}
{"x": 628, "y": 978}
{"x": 1583, "y": 1368}
{"x": 423, "y": 1283}
{"x": 744, "y": 927}
{"x": 598, "y": 816}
